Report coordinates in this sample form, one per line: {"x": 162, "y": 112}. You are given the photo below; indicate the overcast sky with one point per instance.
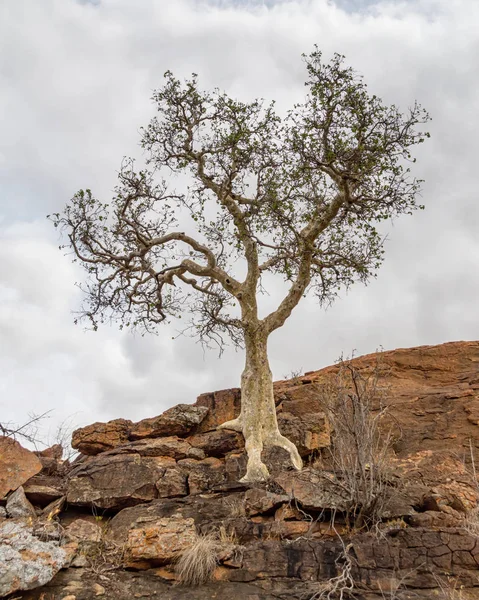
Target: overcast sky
{"x": 76, "y": 80}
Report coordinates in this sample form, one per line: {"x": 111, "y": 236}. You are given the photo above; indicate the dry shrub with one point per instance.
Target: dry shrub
{"x": 360, "y": 450}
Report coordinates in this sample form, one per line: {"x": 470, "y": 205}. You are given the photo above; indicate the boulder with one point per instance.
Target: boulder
{"x": 160, "y": 541}
{"x": 18, "y": 506}
{"x": 18, "y": 465}
{"x": 100, "y": 437}
{"x": 25, "y": 561}
{"x": 115, "y": 482}
{"x": 178, "y": 420}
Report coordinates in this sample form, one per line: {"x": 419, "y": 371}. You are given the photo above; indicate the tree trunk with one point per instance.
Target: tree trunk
{"x": 257, "y": 421}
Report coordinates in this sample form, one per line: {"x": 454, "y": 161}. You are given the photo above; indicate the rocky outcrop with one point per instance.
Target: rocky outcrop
{"x": 143, "y": 494}
{"x": 17, "y": 465}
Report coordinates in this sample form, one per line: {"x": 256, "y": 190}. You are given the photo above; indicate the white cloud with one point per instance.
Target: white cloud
{"x": 76, "y": 80}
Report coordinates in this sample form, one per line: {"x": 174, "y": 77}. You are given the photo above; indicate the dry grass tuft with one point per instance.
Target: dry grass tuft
{"x": 197, "y": 564}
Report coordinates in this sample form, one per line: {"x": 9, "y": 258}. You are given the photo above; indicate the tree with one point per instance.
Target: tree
{"x": 298, "y": 197}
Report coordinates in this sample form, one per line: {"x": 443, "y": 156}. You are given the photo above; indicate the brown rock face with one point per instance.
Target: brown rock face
{"x": 309, "y": 432}
{"x": 217, "y": 443}
{"x": 160, "y": 541}
{"x": 172, "y": 446}
{"x": 114, "y": 482}
{"x": 223, "y": 406}
{"x": 100, "y": 437}
{"x": 431, "y": 393}
{"x": 17, "y": 464}
{"x": 178, "y": 420}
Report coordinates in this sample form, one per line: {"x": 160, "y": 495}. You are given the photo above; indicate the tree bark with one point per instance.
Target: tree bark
{"x": 257, "y": 420}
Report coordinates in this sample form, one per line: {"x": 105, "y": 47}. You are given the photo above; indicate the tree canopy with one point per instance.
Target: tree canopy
{"x": 298, "y": 196}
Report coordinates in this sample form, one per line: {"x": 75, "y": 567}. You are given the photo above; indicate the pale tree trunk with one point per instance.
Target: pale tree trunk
{"x": 257, "y": 421}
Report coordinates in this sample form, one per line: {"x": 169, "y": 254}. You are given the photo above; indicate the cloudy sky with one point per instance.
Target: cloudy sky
{"x": 76, "y": 79}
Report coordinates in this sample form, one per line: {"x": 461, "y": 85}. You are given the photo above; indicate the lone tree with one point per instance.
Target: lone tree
{"x": 298, "y": 197}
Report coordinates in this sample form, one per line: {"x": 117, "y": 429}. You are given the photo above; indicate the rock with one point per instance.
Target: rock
{"x": 82, "y": 530}
{"x": 309, "y": 432}
{"x": 18, "y": 506}
{"x": 172, "y": 483}
{"x": 208, "y": 511}
{"x": 218, "y": 443}
{"x": 116, "y": 481}
{"x": 204, "y": 474}
{"x": 100, "y": 437}
{"x": 43, "y": 489}
{"x": 3, "y": 513}
{"x": 428, "y": 391}
{"x": 314, "y": 490}
{"x": 222, "y": 406}
{"x": 18, "y": 465}
{"x": 258, "y": 501}
{"x": 160, "y": 541}
{"x": 178, "y": 420}
{"x": 25, "y": 561}
{"x": 171, "y": 446}
{"x": 55, "y": 451}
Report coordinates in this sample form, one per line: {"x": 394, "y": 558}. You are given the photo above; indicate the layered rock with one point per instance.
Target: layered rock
{"x": 142, "y": 494}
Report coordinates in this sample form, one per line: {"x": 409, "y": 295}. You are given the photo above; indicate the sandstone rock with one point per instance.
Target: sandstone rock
{"x": 18, "y": 465}
{"x": 218, "y": 443}
{"x": 3, "y": 513}
{"x": 55, "y": 451}
{"x": 173, "y": 482}
{"x": 116, "y": 481}
{"x": 178, "y": 420}
{"x": 309, "y": 432}
{"x": 208, "y": 511}
{"x": 204, "y": 474}
{"x": 100, "y": 437}
{"x": 82, "y": 530}
{"x": 222, "y": 406}
{"x": 428, "y": 390}
{"x": 18, "y": 506}
{"x": 160, "y": 541}
{"x": 25, "y": 561}
{"x": 314, "y": 490}
{"x": 43, "y": 489}
{"x": 258, "y": 501}
{"x": 171, "y": 446}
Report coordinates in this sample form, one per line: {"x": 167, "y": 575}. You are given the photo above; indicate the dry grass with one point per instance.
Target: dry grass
{"x": 197, "y": 564}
